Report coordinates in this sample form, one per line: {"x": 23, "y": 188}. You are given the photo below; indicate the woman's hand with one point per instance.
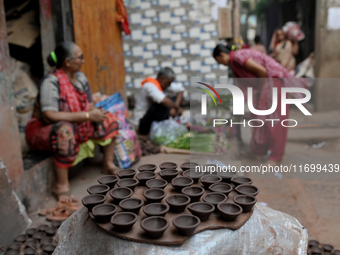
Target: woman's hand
{"x": 97, "y": 115}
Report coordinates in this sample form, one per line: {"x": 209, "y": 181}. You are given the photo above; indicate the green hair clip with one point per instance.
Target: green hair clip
{"x": 233, "y": 47}
{"x": 54, "y": 57}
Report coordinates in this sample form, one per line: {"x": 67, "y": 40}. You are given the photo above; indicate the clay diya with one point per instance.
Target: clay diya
{"x": 169, "y": 174}
{"x": 226, "y": 176}
{"x": 56, "y": 223}
{"x": 214, "y": 198}
{"x": 42, "y": 227}
{"x": 104, "y": 212}
{"x": 21, "y": 238}
{"x": 191, "y": 173}
{"x": 239, "y": 180}
{"x": 119, "y": 194}
{"x": 177, "y": 203}
{"x": 50, "y": 231}
{"x": 123, "y": 221}
{"x": 181, "y": 182}
{"x": 13, "y": 252}
{"x": 48, "y": 248}
{"x": 201, "y": 209}
{"x": 168, "y": 165}
{"x": 147, "y": 167}
{"x": 109, "y": 180}
{"x": 156, "y": 209}
{"x": 208, "y": 180}
{"x": 312, "y": 243}
{"x": 128, "y": 183}
{"x": 194, "y": 193}
{"x": 155, "y": 226}
{"x": 221, "y": 187}
{"x": 126, "y": 173}
{"x": 186, "y": 224}
{"x": 13, "y": 246}
{"x": 31, "y": 231}
{"x": 47, "y": 240}
{"x": 32, "y": 243}
{"x": 93, "y": 200}
{"x": 188, "y": 165}
{"x": 98, "y": 189}
{"x": 143, "y": 177}
{"x": 245, "y": 201}
{"x": 38, "y": 235}
{"x": 327, "y": 248}
{"x": 316, "y": 251}
{"x": 154, "y": 195}
{"x": 30, "y": 251}
{"x": 247, "y": 189}
{"x": 229, "y": 211}
{"x": 336, "y": 252}
{"x": 156, "y": 183}
{"x": 131, "y": 205}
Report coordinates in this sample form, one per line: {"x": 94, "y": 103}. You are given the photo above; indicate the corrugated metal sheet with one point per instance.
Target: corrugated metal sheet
{"x": 98, "y": 34}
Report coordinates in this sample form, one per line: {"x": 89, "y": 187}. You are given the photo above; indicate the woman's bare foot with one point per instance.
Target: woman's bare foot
{"x": 110, "y": 168}
{"x": 64, "y": 194}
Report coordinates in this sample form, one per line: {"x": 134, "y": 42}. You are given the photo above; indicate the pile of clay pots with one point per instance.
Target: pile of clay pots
{"x": 315, "y": 248}
{"x": 35, "y": 241}
{"x": 186, "y": 194}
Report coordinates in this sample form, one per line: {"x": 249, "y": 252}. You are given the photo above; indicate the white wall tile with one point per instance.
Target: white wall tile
{"x": 210, "y": 76}
{"x": 205, "y": 36}
{"x": 166, "y": 64}
{"x": 138, "y": 82}
{"x": 195, "y": 32}
{"x": 136, "y": 34}
{"x": 180, "y": 28}
{"x": 126, "y": 47}
{"x": 192, "y": 14}
{"x": 150, "y": 13}
{"x": 175, "y": 3}
{"x": 127, "y": 79}
{"x": 205, "y": 53}
{"x": 146, "y": 38}
{"x": 147, "y": 54}
{"x": 175, "y": 20}
{"x": 152, "y": 62}
{"x": 151, "y": 30}
{"x": 146, "y": 22}
{"x": 145, "y": 5}
{"x": 151, "y": 46}
{"x": 181, "y": 61}
{"x": 135, "y": 18}
{"x": 210, "y": 44}
{"x": 204, "y": 20}
{"x": 164, "y": 17}
{"x": 138, "y": 67}
{"x": 195, "y": 48}
{"x": 195, "y": 65}
{"x": 148, "y": 71}
{"x": 180, "y": 45}
{"x": 176, "y": 37}
{"x": 209, "y": 27}
{"x": 127, "y": 62}
{"x": 165, "y": 33}
{"x": 209, "y": 61}
{"x": 181, "y": 77}
{"x": 164, "y": 2}
{"x": 177, "y": 69}
{"x": 205, "y": 69}
{"x": 176, "y": 54}
{"x": 137, "y": 51}
{"x": 179, "y": 12}
{"x": 166, "y": 50}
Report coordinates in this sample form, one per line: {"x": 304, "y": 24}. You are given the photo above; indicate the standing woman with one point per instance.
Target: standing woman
{"x": 64, "y": 118}
{"x": 248, "y": 63}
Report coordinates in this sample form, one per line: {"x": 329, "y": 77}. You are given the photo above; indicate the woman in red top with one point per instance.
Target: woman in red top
{"x": 248, "y": 63}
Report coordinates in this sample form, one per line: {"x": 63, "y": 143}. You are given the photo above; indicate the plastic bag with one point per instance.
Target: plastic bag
{"x": 293, "y": 31}
{"x": 166, "y": 131}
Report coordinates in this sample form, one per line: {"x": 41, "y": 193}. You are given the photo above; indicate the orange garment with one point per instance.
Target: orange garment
{"x": 153, "y": 81}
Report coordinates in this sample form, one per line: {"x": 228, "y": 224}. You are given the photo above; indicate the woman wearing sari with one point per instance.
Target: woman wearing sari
{"x": 65, "y": 118}
{"x": 248, "y": 63}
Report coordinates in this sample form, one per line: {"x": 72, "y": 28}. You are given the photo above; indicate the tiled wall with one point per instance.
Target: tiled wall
{"x": 175, "y": 33}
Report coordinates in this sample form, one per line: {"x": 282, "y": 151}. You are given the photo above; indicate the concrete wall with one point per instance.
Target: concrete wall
{"x": 327, "y": 55}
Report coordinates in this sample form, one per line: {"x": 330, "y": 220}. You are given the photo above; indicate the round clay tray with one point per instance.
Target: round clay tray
{"x": 126, "y": 173}
{"x": 128, "y": 183}
{"x": 229, "y": 211}
{"x": 336, "y": 252}
{"x": 169, "y": 174}
{"x": 188, "y": 165}
{"x": 119, "y": 194}
{"x": 155, "y": 226}
{"x": 47, "y": 240}
{"x": 31, "y": 231}
{"x": 214, "y": 198}
{"x": 156, "y": 183}
{"x": 56, "y": 223}
{"x": 316, "y": 251}
{"x": 131, "y": 205}
{"x": 32, "y": 243}
{"x": 193, "y": 192}
{"x": 193, "y": 175}
{"x": 246, "y": 202}
{"x": 247, "y": 189}
{"x": 327, "y": 248}
{"x": 98, "y": 189}
{"x": 154, "y": 195}
{"x": 147, "y": 167}
{"x": 208, "y": 180}
{"x": 50, "y": 231}
{"x": 92, "y": 200}
{"x": 109, "y": 180}
{"x": 186, "y": 224}
{"x": 104, "y": 212}
{"x": 30, "y": 251}
{"x": 21, "y": 238}
{"x": 202, "y": 210}
{"x": 181, "y": 182}
{"x": 123, "y": 221}
{"x": 143, "y": 177}
{"x": 48, "y": 248}
{"x": 312, "y": 243}
{"x": 239, "y": 180}
{"x": 168, "y": 165}
{"x": 156, "y": 209}
{"x": 42, "y": 227}
{"x": 221, "y": 187}
{"x": 178, "y": 203}
{"x": 39, "y": 235}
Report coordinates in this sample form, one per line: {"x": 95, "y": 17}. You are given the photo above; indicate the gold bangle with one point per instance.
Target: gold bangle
{"x": 87, "y": 116}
